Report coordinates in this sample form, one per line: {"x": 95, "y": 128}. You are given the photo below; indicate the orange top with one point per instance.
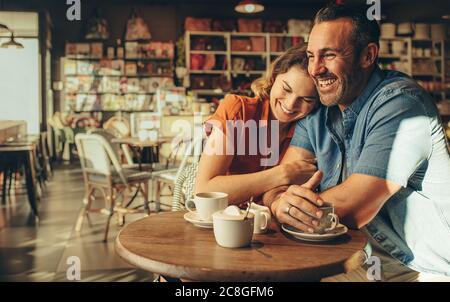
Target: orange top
{"x": 241, "y": 108}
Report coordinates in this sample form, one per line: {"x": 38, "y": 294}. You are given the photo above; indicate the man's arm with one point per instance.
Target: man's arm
{"x": 359, "y": 198}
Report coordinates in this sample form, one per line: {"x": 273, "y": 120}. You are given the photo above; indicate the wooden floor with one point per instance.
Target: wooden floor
{"x": 30, "y": 252}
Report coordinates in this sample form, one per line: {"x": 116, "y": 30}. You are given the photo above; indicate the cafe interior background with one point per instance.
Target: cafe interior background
{"x": 145, "y": 70}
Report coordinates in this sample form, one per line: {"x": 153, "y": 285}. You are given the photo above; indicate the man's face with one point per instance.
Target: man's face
{"x": 332, "y": 64}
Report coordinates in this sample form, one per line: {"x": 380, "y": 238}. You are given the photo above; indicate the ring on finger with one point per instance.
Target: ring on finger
{"x": 288, "y": 208}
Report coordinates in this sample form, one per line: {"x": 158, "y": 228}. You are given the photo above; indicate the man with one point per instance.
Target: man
{"x": 381, "y": 151}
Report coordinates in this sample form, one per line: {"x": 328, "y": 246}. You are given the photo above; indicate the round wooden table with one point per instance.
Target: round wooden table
{"x": 168, "y": 245}
{"x": 152, "y": 146}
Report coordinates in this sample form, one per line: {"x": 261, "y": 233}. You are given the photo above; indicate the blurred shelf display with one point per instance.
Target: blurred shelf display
{"x": 444, "y": 107}
{"x": 222, "y": 62}
{"x": 125, "y": 80}
{"x": 422, "y": 58}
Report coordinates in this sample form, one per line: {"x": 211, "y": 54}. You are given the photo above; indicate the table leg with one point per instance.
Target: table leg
{"x": 5, "y": 177}
{"x": 30, "y": 178}
{"x": 157, "y": 154}
{"x": 139, "y": 155}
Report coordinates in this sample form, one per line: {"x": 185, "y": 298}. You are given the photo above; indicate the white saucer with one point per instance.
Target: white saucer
{"x": 338, "y": 231}
{"x": 195, "y": 219}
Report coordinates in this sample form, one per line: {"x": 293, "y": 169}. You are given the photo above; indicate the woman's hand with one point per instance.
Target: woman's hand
{"x": 298, "y": 172}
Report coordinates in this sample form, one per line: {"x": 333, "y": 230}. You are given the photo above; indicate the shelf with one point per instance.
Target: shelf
{"x": 421, "y": 40}
{"x": 74, "y": 57}
{"x": 149, "y": 59}
{"x": 115, "y": 59}
{"x": 115, "y": 93}
{"x": 248, "y": 53}
{"x": 393, "y": 39}
{"x": 149, "y": 76}
{"x": 95, "y": 75}
{"x": 209, "y": 91}
{"x": 390, "y": 56}
{"x": 122, "y": 75}
{"x": 288, "y": 35}
{"x": 427, "y": 58}
{"x": 219, "y": 91}
{"x": 101, "y": 110}
{"x": 244, "y": 34}
{"x": 276, "y": 53}
{"x": 208, "y": 71}
{"x": 248, "y": 72}
{"x": 214, "y": 52}
{"x": 208, "y": 33}
{"x": 241, "y": 34}
{"x": 138, "y": 40}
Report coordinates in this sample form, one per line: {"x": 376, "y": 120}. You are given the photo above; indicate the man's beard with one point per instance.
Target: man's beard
{"x": 344, "y": 93}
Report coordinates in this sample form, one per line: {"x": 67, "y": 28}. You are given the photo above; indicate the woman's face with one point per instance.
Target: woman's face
{"x": 293, "y": 95}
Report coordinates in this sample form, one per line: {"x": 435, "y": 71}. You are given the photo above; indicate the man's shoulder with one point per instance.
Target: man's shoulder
{"x": 397, "y": 83}
{"x": 398, "y": 90}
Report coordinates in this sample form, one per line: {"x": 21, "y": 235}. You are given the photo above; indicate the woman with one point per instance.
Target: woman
{"x": 285, "y": 95}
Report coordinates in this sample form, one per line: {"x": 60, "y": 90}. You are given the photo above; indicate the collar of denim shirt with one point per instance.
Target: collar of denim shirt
{"x": 350, "y": 114}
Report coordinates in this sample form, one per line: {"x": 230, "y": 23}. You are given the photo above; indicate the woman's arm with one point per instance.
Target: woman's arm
{"x": 212, "y": 176}
{"x": 292, "y": 155}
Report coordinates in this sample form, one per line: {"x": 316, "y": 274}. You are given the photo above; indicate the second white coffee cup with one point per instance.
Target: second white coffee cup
{"x": 207, "y": 203}
{"x": 262, "y": 218}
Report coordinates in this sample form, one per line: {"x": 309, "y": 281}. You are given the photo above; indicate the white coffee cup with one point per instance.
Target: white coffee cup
{"x": 329, "y": 220}
{"x": 233, "y": 231}
{"x": 262, "y": 218}
{"x": 207, "y": 203}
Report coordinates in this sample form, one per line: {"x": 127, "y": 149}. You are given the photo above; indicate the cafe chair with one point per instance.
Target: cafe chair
{"x": 185, "y": 178}
{"x": 120, "y": 126}
{"x": 102, "y": 171}
{"x": 120, "y": 150}
{"x": 64, "y": 137}
{"x": 164, "y": 177}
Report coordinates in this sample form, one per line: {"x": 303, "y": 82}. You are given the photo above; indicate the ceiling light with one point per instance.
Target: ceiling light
{"x": 249, "y": 7}
{"x": 12, "y": 43}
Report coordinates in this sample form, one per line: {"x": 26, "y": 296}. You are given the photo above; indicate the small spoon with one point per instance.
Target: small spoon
{"x": 249, "y": 204}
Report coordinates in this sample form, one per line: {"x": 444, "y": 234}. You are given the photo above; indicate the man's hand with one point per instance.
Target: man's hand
{"x": 298, "y": 206}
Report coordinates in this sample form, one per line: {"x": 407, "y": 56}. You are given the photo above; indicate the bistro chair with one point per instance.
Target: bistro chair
{"x": 165, "y": 176}
{"x": 119, "y": 149}
{"x": 102, "y": 171}
{"x": 119, "y": 125}
{"x": 185, "y": 178}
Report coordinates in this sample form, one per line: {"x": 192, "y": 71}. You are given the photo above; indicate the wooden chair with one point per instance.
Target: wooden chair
{"x": 102, "y": 171}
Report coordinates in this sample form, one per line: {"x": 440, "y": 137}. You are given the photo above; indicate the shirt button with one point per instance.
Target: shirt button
{"x": 380, "y": 237}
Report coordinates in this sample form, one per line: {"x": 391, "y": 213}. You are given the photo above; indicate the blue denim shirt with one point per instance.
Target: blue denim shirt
{"x": 391, "y": 131}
